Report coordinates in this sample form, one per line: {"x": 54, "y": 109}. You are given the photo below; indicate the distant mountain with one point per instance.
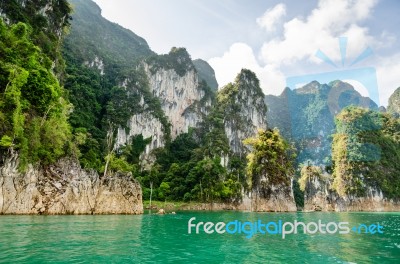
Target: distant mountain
{"x": 92, "y": 35}
{"x": 306, "y": 116}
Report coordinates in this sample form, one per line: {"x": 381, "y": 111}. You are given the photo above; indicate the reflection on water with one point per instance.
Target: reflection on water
{"x": 153, "y": 238}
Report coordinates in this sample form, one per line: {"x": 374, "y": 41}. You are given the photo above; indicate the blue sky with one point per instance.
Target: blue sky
{"x": 275, "y": 39}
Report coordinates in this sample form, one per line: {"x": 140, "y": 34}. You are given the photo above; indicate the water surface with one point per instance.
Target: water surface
{"x": 152, "y": 238}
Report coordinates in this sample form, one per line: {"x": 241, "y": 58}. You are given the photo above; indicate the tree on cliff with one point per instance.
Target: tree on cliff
{"x": 33, "y": 111}
{"x": 366, "y": 152}
{"x": 270, "y": 161}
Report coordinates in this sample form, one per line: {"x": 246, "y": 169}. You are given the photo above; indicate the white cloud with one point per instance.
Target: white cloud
{"x": 296, "y": 45}
{"x": 320, "y": 30}
{"x": 272, "y": 17}
{"x": 388, "y": 74}
{"x": 239, "y": 56}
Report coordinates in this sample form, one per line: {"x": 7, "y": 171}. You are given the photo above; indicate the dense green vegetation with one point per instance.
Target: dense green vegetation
{"x": 271, "y": 160}
{"x": 309, "y": 173}
{"x": 178, "y": 59}
{"x": 33, "y": 111}
{"x": 183, "y": 171}
{"x": 306, "y": 116}
{"x": 366, "y": 152}
{"x": 47, "y": 21}
{"x": 55, "y": 104}
{"x": 91, "y": 35}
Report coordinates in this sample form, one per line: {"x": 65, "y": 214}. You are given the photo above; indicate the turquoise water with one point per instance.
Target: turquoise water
{"x": 165, "y": 239}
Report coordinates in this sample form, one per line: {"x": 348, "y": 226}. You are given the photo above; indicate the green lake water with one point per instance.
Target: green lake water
{"x": 152, "y": 238}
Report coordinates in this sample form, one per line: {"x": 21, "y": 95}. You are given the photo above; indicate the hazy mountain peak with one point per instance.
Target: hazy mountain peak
{"x": 93, "y": 36}
{"x": 206, "y": 73}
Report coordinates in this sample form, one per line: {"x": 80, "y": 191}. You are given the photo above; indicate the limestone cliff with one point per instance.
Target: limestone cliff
{"x": 244, "y": 109}
{"x": 173, "y": 82}
{"x": 176, "y": 94}
{"x": 273, "y": 198}
{"x": 319, "y": 196}
{"x": 244, "y": 112}
{"x": 394, "y": 103}
{"x": 65, "y": 188}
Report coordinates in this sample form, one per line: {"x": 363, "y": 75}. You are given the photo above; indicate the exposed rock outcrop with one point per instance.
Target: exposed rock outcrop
{"x": 244, "y": 110}
{"x": 319, "y": 196}
{"x": 177, "y": 94}
{"x": 174, "y": 82}
{"x": 394, "y": 103}
{"x": 65, "y": 188}
{"x": 273, "y": 199}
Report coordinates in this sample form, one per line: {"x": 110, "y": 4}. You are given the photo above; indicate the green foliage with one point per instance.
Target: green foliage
{"x": 308, "y": 173}
{"x": 164, "y": 190}
{"x": 119, "y": 164}
{"x": 306, "y": 115}
{"x": 191, "y": 175}
{"x": 214, "y": 140}
{"x": 207, "y": 175}
{"x": 178, "y": 59}
{"x": 394, "y": 103}
{"x": 92, "y": 36}
{"x": 6, "y": 142}
{"x": 47, "y": 27}
{"x": 271, "y": 157}
{"x": 34, "y": 113}
{"x": 366, "y": 152}
{"x": 100, "y": 100}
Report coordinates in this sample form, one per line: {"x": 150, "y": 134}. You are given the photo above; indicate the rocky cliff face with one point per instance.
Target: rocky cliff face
{"x": 178, "y": 96}
{"x": 394, "y": 103}
{"x": 147, "y": 125}
{"x": 173, "y": 81}
{"x": 306, "y": 116}
{"x": 244, "y": 110}
{"x": 273, "y": 198}
{"x": 319, "y": 196}
{"x": 65, "y": 188}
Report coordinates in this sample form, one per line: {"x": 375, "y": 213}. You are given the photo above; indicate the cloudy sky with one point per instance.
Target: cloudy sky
{"x": 276, "y": 39}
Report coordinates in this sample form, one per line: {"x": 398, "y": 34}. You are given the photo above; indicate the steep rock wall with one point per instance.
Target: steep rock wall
{"x": 244, "y": 110}
{"x": 177, "y": 94}
{"x": 319, "y": 196}
{"x": 272, "y": 198}
{"x": 65, "y": 188}
{"x": 182, "y": 101}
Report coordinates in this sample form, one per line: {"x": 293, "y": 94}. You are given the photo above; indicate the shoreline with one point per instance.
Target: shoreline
{"x": 198, "y": 206}
{"x": 171, "y": 207}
